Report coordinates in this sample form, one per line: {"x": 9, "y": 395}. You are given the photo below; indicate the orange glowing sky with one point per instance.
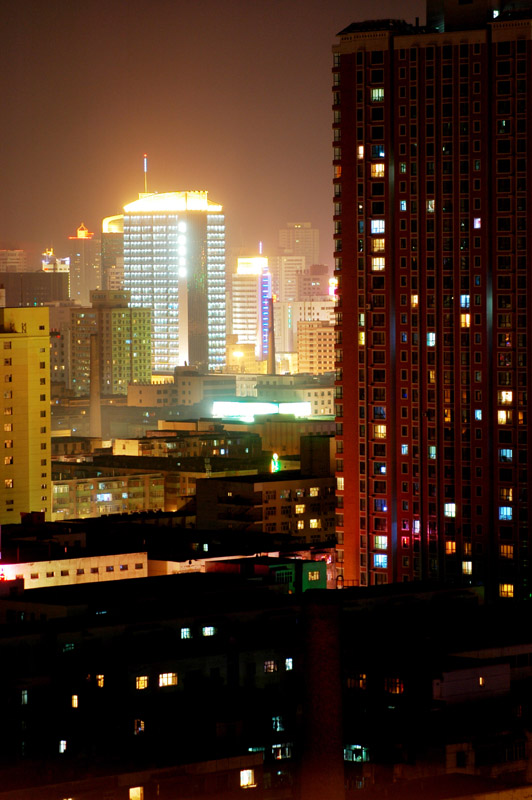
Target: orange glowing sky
{"x": 232, "y": 96}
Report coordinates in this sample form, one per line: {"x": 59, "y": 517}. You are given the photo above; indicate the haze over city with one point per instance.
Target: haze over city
{"x": 232, "y": 97}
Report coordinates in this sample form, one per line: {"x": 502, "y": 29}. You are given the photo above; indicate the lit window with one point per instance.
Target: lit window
{"x": 504, "y": 417}
{"x": 378, "y": 170}
{"x": 377, "y": 226}
{"x": 361, "y": 338}
{"x": 24, "y": 697}
{"x": 505, "y": 513}
{"x": 450, "y": 548}
{"x": 465, "y": 300}
{"x": 381, "y": 542}
{"x": 314, "y": 491}
{"x": 378, "y": 245}
{"x": 481, "y": 681}
{"x": 247, "y": 779}
{"x": 168, "y": 679}
{"x": 506, "y": 590}
{"x": 432, "y": 451}
{"x": 314, "y": 523}
{"x": 136, "y": 793}
{"x": 277, "y": 724}
{"x": 506, "y": 550}
{"x": 467, "y": 567}
{"x": 505, "y": 454}
{"x": 380, "y": 561}
{"x": 300, "y": 509}
{"x": 314, "y": 575}
{"x": 289, "y": 664}
{"x": 280, "y": 751}
{"x": 478, "y": 414}
{"x": 186, "y": 633}
{"x": 138, "y": 727}
{"x": 430, "y": 206}
{"x": 394, "y": 685}
{"x": 404, "y": 449}
{"x": 75, "y": 701}
{"x": 379, "y": 431}
{"x": 270, "y": 666}
{"x": 141, "y": 682}
{"x": 62, "y": 746}
{"x": 414, "y": 300}
{"x": 340, "y": 484}
{"x": 402, "y": 205}
{"x": 449, "y": 510}
{"x": 465, "y": 320}
{"x": 377, "y": 95}
{"x": 300, "y": 524}
{"x": 357, "y": 753}
{"x": 377, "y": 263}
{"x": 100, "y": 681}
{"x": 505, "y": 397}
{"x": 208, "y": 630}
{"x": 476, "y": 222}
{"x": 360, "y": 152}
{"x": 431, "y": 339}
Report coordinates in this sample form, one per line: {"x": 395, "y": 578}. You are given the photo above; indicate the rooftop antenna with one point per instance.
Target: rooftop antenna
{"x": 260, "y": 248}
{"x": 145, "y": 173}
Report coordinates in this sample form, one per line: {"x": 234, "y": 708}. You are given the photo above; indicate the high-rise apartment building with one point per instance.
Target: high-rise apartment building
{"x": 300, "y": 239}
{"x": 432, "y": 205}
{"x": 174, "y": 263}
{"x": 85, "y": 258}
{"x": 25, "y": 479}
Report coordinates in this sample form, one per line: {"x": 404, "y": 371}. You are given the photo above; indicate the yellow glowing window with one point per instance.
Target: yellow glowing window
{"x": 432, "y": 376}
{"x": 75, "y": 701}
{"x": 247, "y": 779}
{"x": 394, "y": 685}
{"x": 100, "y": 679}
{"x": 378, "y": 245}
{"x": 378, "y": 170}
{"x": 136, "y": 793}
{"x": 141, "y": 682}
{"x": 465, "y": 320}
{"x": 504, "y": 417}
{"x": 314, "y": 491}
{"x": 450, "y": 548}
{"x": 361, "y": 337}
{"x": 168, "y": 679}
{"x": 467, "y": 547}
{"x": 315, "y": 523}
{"x": 506, "y": 550}
{"x": 300, "y": 509}
{"x": 377, "y": 263}
{"x": 314, "y": 575}
{"x": 360, "y": 152}
{"x": 381, "y": 542}
{"x": 505, "y": 397}
{"x": 414, "y": 300}
{"x": 467, "y": 567}
{"x": 481, "y": 681}
{"x": 300, "y": 524}
{"x": 379, "y": 431}
{"x": 506, "y": 590}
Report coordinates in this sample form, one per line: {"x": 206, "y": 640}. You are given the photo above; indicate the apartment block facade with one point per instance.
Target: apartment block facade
{"x": 432, "y": 177}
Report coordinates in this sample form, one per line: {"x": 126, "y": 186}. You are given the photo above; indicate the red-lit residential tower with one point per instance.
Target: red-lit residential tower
{"x": 432, "y": 204}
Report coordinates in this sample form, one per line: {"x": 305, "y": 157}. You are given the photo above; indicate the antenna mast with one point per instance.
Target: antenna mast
{"x": 145, "y": 173}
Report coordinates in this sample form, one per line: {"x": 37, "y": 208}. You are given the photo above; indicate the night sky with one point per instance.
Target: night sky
{"x": 232, "y": 96}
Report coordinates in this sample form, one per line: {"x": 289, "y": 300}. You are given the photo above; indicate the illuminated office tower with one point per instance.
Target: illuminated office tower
{"x": 300, "y": 239}
{"x": 85, "y": 261}
{"x": 113, "y": 253}
{"x": 285, "y": 271}
{"x": 432, "y": 205}
{"x": 25, "y": 480}
{"x": 174, "y": 263}
{"x": 251, "y": 290}
{"x": 13, "y": 261}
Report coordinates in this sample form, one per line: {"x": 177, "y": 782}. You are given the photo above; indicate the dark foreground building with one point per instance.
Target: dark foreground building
{"x": 432, "y": 195}
{"x": 209, "y": 686}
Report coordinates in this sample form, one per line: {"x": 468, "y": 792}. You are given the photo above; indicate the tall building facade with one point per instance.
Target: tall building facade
{"x": 25, "y": 475}
{"x": 174, "y": 264}
{"x": 85, "y": 261}
{"x": 113, "y": 253}
{"x": 251, "y": 291}
{"x": 300, "y": 239}
{"x": 432, "y": 205}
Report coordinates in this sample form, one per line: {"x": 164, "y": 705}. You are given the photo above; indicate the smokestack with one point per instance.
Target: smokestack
{"x": 95, "y": 409}
{"x": 270, "y": 366}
